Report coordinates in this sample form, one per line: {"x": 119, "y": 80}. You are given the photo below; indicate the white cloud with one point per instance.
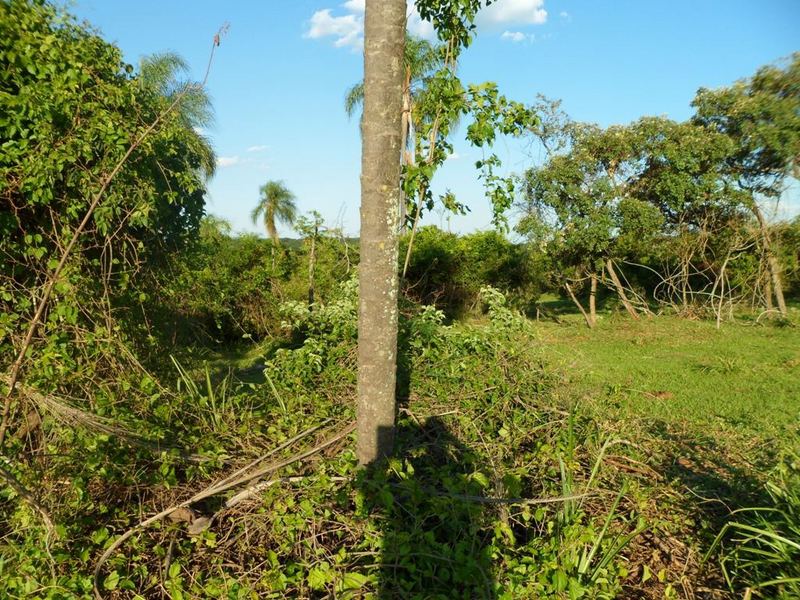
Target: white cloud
{"x": 227, "y": 161}
{"x": 564, "y": 14}
{"x": 355, "y": 5}
{"x": 259, "y": 148}
{"x": 453, "y": 156}
{"x": 516, "y": 36}
{"x": 513, "y": 12}
{"x": 418, "y": 27}
{"x": 348, "y": 29}
{"x": 255, "y": 163}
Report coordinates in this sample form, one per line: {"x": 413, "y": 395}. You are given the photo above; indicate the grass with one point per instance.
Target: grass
{"x": 742, "y": 377}
{"x": 670, "y": 428}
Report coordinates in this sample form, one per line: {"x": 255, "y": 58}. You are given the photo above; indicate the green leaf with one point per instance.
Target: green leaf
{"x": 353, "y": 581}
{"x": 111, "y": 581}
{"x": 319, "y": 577}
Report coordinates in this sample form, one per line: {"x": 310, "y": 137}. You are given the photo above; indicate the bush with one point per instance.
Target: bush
{"x": 448, "y": 271}
{"x": 760, "y": 547}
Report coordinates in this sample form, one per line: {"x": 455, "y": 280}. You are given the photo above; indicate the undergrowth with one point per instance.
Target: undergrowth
{"x": 760, "y": 545}
{"x": 493, "y": 492}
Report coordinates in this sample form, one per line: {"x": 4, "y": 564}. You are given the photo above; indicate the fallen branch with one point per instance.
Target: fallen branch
{"x": 517, "y": 501}
{"x": 71, "y": 416}
{"x": 228, "y": 483}
{"x": 259, "y": 487}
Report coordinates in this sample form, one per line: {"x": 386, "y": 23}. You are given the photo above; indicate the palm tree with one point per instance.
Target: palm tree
{"x": 163, "y": 75}
{"x": 276, "y": 203}
{"x": 421, "y": 60}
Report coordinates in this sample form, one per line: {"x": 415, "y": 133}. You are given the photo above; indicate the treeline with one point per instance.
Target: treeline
{"x": 226, "y": 288}
{"x": 684, "y": 200}
{"x": 662, "y": 214}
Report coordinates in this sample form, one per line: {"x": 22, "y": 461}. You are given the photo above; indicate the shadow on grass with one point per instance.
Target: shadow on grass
{"x": 434, "y": 543}
{"x": 715, "y": 484}
{"x": 552, "y": 306}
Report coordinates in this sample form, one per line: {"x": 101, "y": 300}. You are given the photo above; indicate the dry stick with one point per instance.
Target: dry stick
{"x": 720, "y": 281}
{"x": 589, "y": 322}
{"x": 48, "y": 289}
{"x": 772, "y": 261}
{"x": 67, "y": 414}
{"x": 272, "y": 452}
{"x": 218, "y": 488}
{"x": 620, "y": 290}
{"x": 406, "y": 157}
{"x": 637, "y": 297}
{"x": 516, "y": 501}
{"x": 593, "y": 297}
{"x": 251, "y": 491}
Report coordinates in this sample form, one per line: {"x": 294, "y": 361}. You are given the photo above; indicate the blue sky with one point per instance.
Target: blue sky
{"x": 280, "y": 75}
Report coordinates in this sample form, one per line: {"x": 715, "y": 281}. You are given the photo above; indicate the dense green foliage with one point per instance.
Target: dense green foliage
{"x": 448, "y": 271}
{"x": 70, "y": 109}
{"x": 535, "y": 459}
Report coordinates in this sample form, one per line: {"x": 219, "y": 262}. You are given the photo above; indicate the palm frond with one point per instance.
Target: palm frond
{"x": 354, "y": 98}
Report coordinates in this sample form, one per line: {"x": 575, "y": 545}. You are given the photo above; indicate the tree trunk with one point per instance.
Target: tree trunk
{"x": 384, "y": 39}
{"x": 593, "y": 299}
{"x": 620, "y": 290}
{"x": 406, "y": 157}
{"x": 772, "y": 261}
{"x": 312, "y": 261}
{"x": 768, "y": 293}
{"x": 413, "y": 231}
{"x": 586, "y": 317}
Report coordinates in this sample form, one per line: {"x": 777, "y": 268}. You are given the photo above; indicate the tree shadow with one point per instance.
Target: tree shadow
{"x": 716, "y": 485}
{"x": 435, "y": 542}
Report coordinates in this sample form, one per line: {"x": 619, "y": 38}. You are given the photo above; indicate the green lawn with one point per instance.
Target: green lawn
{"x": 688, "y": 373}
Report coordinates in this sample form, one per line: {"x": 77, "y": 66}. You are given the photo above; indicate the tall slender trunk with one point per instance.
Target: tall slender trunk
{"x": 384, "y": 39}
{"x": 772, "y": 261}
{"x": 589, "y": 322}
{"x": 685, "y": 283}
{"x": 312, "y": 261}
{"x": 413, "y": 231}
{"x": 593, "y": 298}
{"x": 406, "y": 157}
{"x": 768, "y": 292}
{"x": 720, "y": 281}
{"x": 620, "y": 290}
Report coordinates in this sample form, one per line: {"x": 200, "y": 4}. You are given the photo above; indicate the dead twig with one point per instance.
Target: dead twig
{"x": 516, "y": 501}
{"x": 259, "y": 487}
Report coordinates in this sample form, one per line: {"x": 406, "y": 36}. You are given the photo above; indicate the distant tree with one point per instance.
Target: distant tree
{"x": 310, "y": 228}
{"x": 214, "y": 229}
{"x": 579, "y": 205}
{"x": 761, "y": 115}
{"x": 276, "y": 204}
